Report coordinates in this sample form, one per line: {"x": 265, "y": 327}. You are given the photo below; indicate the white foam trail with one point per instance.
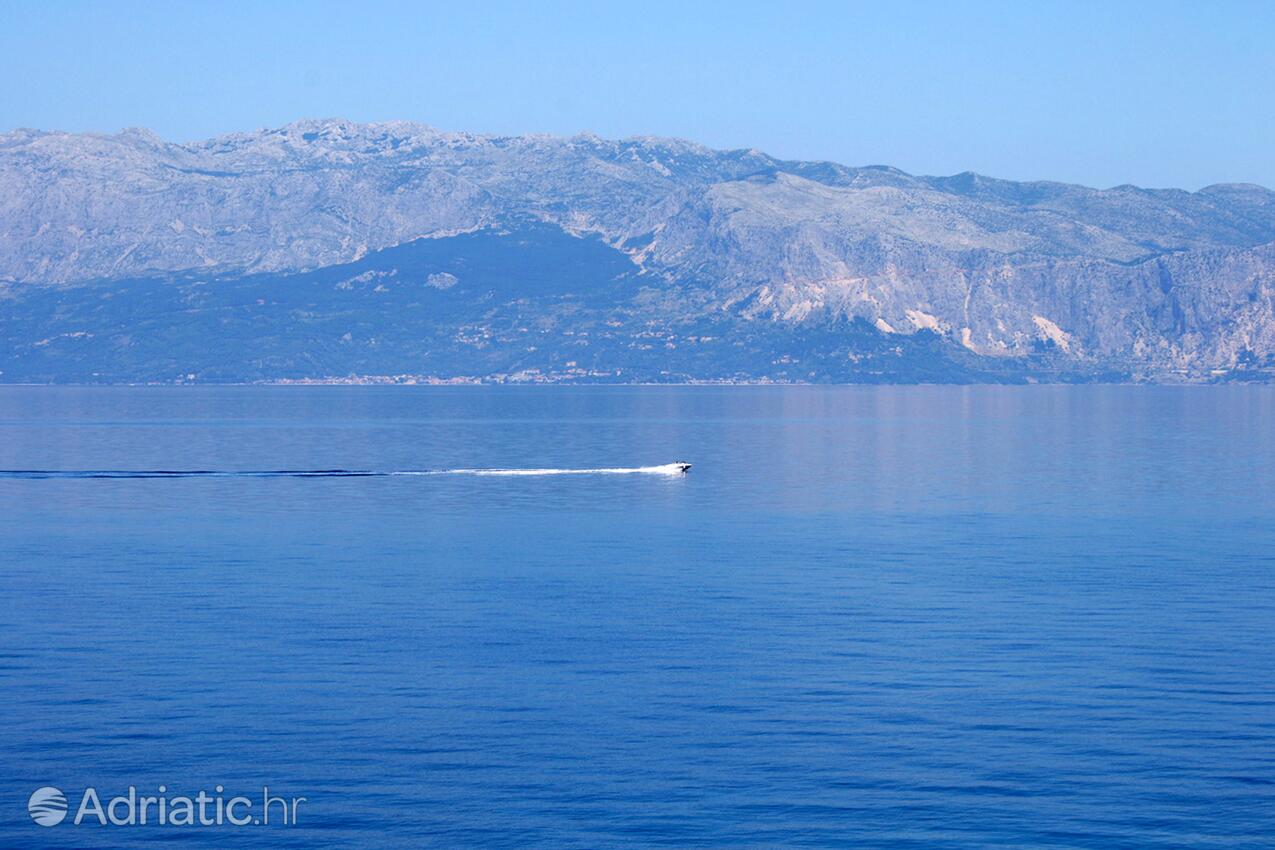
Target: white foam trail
{"x": 663, "y": 469}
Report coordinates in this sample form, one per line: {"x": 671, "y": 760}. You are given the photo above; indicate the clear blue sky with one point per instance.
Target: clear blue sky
{"x": 1153, "y": 93}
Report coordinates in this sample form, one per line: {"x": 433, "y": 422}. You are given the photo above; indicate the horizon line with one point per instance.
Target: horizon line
{"x": 590, "y": 135}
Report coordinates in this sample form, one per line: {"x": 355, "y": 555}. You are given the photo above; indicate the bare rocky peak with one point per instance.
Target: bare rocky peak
{"x": 83, "y": 206}
{"x": 995, "y": 265}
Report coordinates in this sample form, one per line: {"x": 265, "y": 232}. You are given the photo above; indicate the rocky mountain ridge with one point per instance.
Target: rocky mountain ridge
{"x": 1144, "y": 282}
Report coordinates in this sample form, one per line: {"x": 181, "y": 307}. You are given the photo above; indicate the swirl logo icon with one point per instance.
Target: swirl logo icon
{"x": 47, "y": 806}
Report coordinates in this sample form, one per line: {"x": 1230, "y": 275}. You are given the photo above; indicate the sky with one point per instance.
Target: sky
{"x": 1102, "y": 93}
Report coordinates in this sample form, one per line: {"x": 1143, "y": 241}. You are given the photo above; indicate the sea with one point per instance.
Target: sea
{"x": 878, "y": 617}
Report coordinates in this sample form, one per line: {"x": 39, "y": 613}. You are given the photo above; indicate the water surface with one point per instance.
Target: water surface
{"x": 869, "y": 617}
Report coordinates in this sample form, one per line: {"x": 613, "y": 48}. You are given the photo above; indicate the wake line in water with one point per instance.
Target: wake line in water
{"x": 664, "y": 469}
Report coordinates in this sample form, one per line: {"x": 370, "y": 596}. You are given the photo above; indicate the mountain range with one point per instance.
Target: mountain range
{"x": 335, "y": 251}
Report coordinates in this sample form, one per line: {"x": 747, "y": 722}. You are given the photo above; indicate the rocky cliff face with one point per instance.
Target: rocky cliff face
{"x": 1130, "y": 281}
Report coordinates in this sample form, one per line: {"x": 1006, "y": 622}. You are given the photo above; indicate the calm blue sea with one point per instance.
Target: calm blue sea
{"x": 919, "y": 617}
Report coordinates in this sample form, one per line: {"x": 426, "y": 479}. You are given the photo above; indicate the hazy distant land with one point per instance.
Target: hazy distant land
{"x": 327, "y": 251}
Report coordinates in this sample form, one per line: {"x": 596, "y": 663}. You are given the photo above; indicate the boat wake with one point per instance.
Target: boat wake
{"x": 663, "y": 469}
